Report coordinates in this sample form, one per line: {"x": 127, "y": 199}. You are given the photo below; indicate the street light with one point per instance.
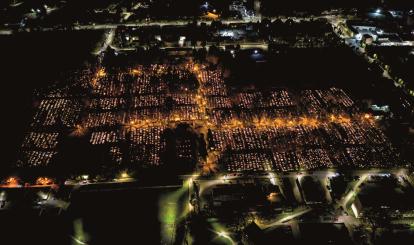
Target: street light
{"x": 225, "y": 235}
{"x": 367, "y": 116}
{"x": 272, "y": 178}
{"x": 124, "y": 175}
{"x": 2, "y": 196}
{"x": 222, "y": 234}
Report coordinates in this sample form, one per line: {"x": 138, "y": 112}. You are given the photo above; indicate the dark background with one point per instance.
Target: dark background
{"x": 32, "y": 61}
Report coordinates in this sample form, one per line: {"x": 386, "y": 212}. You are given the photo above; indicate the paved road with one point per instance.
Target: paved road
{"x": 109, "y": 38}
{"x": 6, "y": 31}
{"x": 295, "y": 214}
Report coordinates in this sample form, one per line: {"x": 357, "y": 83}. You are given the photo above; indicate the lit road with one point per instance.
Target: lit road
{"x": 144, "y": 23}
{"x": 243, "y": 45}
{"x": 338, "y": 22}
{"x": 295, "y": 214}
{"x": 318, "y": 173}
{"x": 185, "y": 22}
{"x": 324, "y": 182}
{"x": 109, "y": 38}
{"x": 353, "y": 192}
{"x": 80, "y": 237}
{"x": 295, "y": 186}
{"x": 174, "y": 209}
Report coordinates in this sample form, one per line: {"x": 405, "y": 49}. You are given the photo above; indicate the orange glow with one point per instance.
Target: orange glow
{"x": 313, "y": 122}
{"x": 344, "y": 119}
{"x": 195, "y": 68}
{"x": 144, "y": 123}
{"x": 101, "y": 73}
{"x": 267, "y": 122}
{"x": 135, "y": 72}
{"x": 234, "y": 123}
{"x": 262, "y": 122}
{"x": 279, "y": 122}
{"x": 211, "y": 15}
{"x": 272, "y": 197}
{"x": 12, "y": 182}
{"x": 94, "y": 82}
{"x": 79, "y": 130}
{"x": 210, "y": 165}
{"x": 44, "y": 181}
{"x": 176, "y": 118}
{"x": 339, "y": 119}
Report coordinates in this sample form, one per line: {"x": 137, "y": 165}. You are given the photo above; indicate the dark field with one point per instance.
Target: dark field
{"x": 32, "y": 61}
